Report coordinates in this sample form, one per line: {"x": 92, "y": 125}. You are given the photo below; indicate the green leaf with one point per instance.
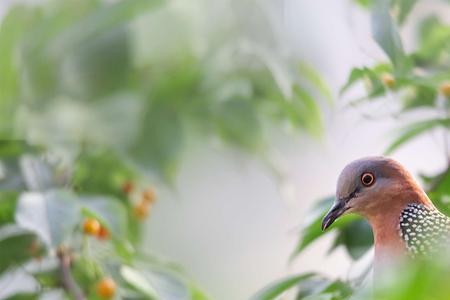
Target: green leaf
{"x": 197, "y": 293}
{"x": 53, "y": 215}
{"x": 237, "y": 123}
{"x": 364, "y": 3}
{"x": 327, "y": 296}
{"x": 434, "y": 44}
{"x": 414, "y": 130}
{"x": 85, "y": 271}
{"x": 159, "y": 143}
{"x": 386, "y": 35}
{"x": 307, "y": 111}
{"x": 8, "y": 203}
{"x": 420, "y": 96}
{"x": 12, "y": 148}
{"x": 312, "y": 228}
{"x": 49, "y": 278}
{"x": 12, "y": 178}
{"x": 404, "y": 8}
{"x": 356, "y": 237}
{"x": 23, "y": 296}
{"x": 102, "y": 20}
{"x": 137, "y": 280}
{"x": 438, "y": 189}
{"x": 355, "y": 75}
{"x": 100, "y": 66}
{"x": 102, "y": 172}
{"x": 12, "y": 29}
{"x": 371, "y": 77}
{"x": 275, "y": 289}
{"x": 323, "y": 288}
{"x": 313, "y": 77}
{"x": 17, "y": 248}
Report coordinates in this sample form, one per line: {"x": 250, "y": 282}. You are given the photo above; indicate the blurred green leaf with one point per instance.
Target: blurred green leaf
{"x": 12, "y": 28}
{"x": 23, "y": 296}
{"x": 316, "y": 80}
{"x": 438, "y": 189}
{"x": 53, "y": 215}
{"x": 48, "y": 278}
{"x": 312, "y": 228}
{"x": 356, "y": 237}
{"x": 434, "y": 44}
{"x": 86, "y": 270}
{"x": 159, "y": 142}
{"x": 11, "y": 177}
{"x": 275, "y": 289}
{"x": 309, "y": 286}
{"x": 404, "y": 7}
{"x": 17, "y": 248}
{"x": 105, "y": 18}
{"x": 356, "y": 75}
{"x": 369, "y": 76}
{"x": 307, "y": 111}
{"x": 136, "y": 279}
{"x": 101, "y": 172}
{"x": 238, "y": 124}
{"x": 8, "y": 203}
{"x": 323, "y": 288}
{"x": 168, "y": 285}
{"x": 420, "y": 96}
{"x": 124, "y": 249}
{"x": 364, "y": 3}
{"x": 414, "y": 130}
{"x": 197, "y": 293}
{"x": 423, "y": 280}
{"x": 13, "y": 148}
{"x": 99, "y": 66}
{"x": 385, "y": 33}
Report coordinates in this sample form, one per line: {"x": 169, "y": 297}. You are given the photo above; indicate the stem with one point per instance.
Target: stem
{"x": 69, "y": 283}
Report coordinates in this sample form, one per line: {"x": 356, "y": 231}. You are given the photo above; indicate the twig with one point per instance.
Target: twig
{"x": 68, "y": 282}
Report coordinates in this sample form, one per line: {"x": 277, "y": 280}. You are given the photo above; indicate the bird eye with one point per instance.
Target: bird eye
{"x": 367, "y": 179}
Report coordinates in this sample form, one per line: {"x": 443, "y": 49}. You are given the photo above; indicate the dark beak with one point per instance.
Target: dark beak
{"x": 335, "y": 212}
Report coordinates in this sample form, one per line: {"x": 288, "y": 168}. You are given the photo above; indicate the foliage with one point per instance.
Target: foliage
{"x": 108, "y": 67}
{"x": 420, "y": 83}
{"x": 97, "y": 99}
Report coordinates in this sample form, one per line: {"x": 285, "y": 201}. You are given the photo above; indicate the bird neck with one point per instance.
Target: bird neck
{"x": 385, "y": 223}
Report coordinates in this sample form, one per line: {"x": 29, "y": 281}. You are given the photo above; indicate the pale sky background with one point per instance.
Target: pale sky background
{"x": 230, "y": 223}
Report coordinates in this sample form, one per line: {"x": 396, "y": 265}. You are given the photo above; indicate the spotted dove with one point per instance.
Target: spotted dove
{"x": 402, "y": 217}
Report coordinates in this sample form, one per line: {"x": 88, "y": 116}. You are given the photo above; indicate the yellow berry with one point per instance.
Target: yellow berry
{"x": 149, "y": 195}
{"x": 106, "y": 288}
{"x": 91, "y": 226}
{"x": 127, "y": 187}
{"x": 388, "y": 80}
{"x": 445, "y": 89}
{"x": 141, "y": 210}
{"x": 103, "y": 233}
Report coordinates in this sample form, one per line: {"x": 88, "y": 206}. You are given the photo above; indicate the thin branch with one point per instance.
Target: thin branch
{"x": 69, "y": 283}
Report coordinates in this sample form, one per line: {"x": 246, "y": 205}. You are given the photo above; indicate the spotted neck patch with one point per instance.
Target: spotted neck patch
{"x": 425, "y": 230}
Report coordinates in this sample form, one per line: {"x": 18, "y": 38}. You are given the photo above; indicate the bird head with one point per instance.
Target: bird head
{"x": 367, "y": 185}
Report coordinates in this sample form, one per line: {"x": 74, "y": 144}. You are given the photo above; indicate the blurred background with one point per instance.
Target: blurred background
{"x": 196, "y": 97}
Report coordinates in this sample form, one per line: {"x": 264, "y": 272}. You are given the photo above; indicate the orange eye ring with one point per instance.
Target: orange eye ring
{"x": 367, "y": 179}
